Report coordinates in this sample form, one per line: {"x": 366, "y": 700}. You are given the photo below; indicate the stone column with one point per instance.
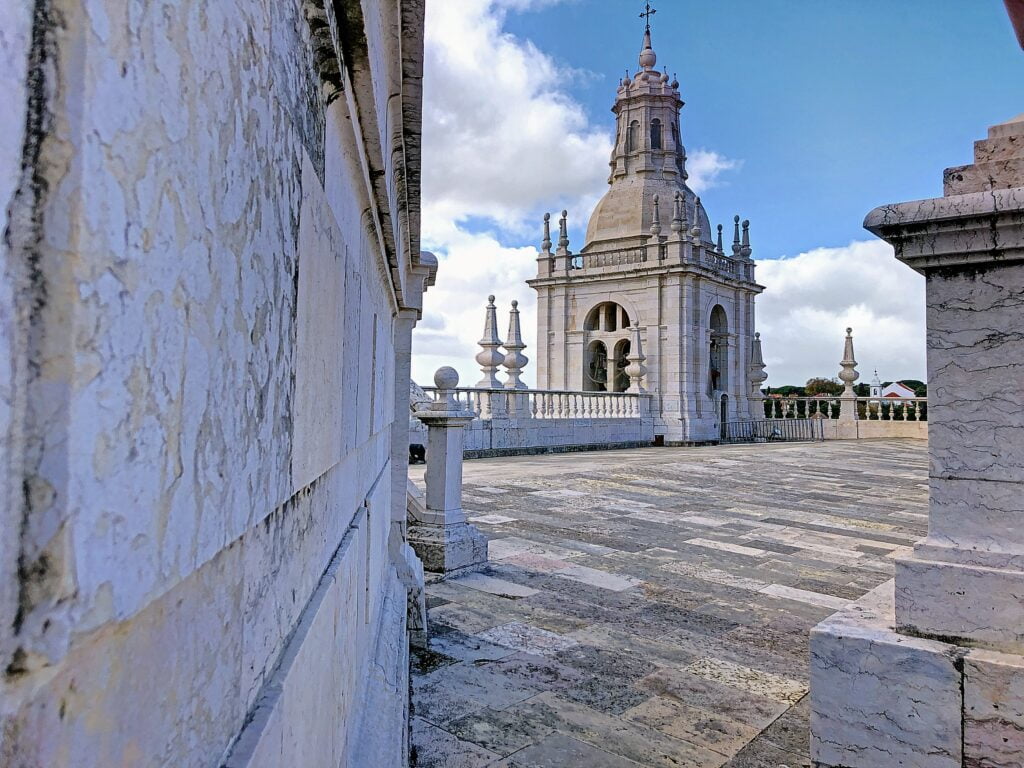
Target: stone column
{"x": 442, "y": 538}
{"x": 929, "y": 671}
{"x": 848, "y": 375}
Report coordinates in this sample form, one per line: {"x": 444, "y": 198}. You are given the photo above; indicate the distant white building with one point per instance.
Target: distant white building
{"x": 895, "y": 389}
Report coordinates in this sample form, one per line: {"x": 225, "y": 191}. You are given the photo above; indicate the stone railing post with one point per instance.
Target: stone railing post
{"x": 442, "y": 538}
{"x": 848, "y": 375}
{"x": 930, "y": 670}
{"x": 636, "y": 370}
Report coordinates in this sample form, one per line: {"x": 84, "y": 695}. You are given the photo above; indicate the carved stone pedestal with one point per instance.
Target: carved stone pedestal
{"x": 438, "y": 530}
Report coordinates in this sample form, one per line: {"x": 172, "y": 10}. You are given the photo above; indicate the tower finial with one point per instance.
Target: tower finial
{"x": 647, "y": 13}
{"x": 647, "y": 56}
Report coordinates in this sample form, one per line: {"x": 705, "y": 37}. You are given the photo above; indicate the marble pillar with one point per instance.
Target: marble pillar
{"x": 438, "y": 531}
{"x": 928, "y": 670}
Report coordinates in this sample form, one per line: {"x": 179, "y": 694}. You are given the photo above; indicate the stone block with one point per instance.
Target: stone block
{"x": 993, "y": 710}
{"x": 960, "y": 602}
{"x": 448, "y": 549}
{"x": 879, "y": 698}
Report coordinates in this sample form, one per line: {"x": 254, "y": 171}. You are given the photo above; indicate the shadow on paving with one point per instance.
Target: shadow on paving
{"x": 652, "y": 607}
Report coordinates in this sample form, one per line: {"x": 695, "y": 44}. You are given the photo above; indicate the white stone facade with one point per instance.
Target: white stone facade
{"x": 932, "y": 674}
{"x": 651, "y": 258}
{"x": 211, "y": 271}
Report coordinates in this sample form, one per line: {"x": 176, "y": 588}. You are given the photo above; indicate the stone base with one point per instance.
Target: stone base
{"x": 447, "y": 549}
{"x": 879, "y": 698}
{"x": 960, "y": 602}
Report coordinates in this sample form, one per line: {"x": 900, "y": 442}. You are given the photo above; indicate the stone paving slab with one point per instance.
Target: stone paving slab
{"x": 651, "y": 607}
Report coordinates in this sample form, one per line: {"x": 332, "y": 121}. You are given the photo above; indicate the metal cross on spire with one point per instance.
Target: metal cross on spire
{"x": 647, "y": 13}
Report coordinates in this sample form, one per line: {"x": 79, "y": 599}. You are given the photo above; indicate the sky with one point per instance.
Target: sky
{"x": 801, "y": 115}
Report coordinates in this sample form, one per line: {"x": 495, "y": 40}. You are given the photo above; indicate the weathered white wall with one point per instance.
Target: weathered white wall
{"x": 211, "y": 229}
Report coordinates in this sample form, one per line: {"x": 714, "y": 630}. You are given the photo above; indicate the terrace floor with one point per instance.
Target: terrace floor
{"x": 651, "y": 607}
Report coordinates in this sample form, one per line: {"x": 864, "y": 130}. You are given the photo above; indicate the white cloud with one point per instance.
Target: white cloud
{"x": 812, "y": 298}
{"x": 501, "y": 137}
{"x": 705, "y": 166}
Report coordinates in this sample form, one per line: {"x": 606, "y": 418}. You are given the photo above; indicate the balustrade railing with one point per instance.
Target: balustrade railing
{"x": 639, "y": 255}
{"x": 868, "y": 408}
{"x": 892, "y": 408}
{"x": 547, "y": 403}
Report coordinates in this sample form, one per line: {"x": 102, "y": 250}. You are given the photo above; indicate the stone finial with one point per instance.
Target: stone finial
{"x": 545, "y": 244}
{"x": 656, "y": 219}
{"x": 696, "y": 233}
{"x": 848, "y": 375}
{"x": 636, "y": 370}
{"x": 720, "y": 247}
{"x": 736, "y": 247}
{"x": 563, "y": 231}
{"x": 757, "y": 376}
{"x": 446, "y": 378}
{"x": 677, "y": 215}
{"x": 648, "y": 58}
{"x": 515, "y": 360}
{"x": 745, "y": 251}
{"x": 489, "y": 358}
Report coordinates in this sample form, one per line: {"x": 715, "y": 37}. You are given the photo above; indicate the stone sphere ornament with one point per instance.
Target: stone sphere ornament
{"x": 446, "y": 377}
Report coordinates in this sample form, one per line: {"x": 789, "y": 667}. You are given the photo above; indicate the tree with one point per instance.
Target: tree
{"x": 789, "y": 391}
{"x": 823, "y": 386}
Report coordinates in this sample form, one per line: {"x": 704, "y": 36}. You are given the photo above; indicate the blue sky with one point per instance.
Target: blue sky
{"x": 801, "y": 115}
{"x": 833, "y": 106}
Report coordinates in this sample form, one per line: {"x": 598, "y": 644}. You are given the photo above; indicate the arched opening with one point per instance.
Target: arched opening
{"x": 655, "y": 133}
{"x": 631, "y": 136}
{"x": 621, "y": 361}
{"x": 607, "y": 316}
{"x": 718, "y": 352}
{"x": 595, "y": 368}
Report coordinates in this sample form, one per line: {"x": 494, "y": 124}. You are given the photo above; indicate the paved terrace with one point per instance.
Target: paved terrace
{"x": 651, "y": 607}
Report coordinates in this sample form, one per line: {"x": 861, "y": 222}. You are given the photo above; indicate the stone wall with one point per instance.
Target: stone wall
{"x": 210, "y": 256}
{"x": 502, "y": 437}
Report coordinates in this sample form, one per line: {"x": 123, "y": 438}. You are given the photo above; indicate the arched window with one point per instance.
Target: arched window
{"x": 631, "y": 136}
{"x": 595, "y": 370}
{"x": 655, "y": 133}
{"x": 608, "y": 317}
{"x": 621, "y": 380}
{"x": 718, "y": 353}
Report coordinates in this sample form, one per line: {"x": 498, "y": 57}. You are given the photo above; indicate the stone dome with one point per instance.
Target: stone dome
{"x": 626, "y": 210}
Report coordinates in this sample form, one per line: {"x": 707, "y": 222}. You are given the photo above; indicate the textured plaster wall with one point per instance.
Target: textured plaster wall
{"x": 196, "y": 374}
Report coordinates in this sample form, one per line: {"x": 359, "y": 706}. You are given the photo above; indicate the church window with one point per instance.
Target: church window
{"x": 655, "y": 133}
{"x": 631, "y": 136}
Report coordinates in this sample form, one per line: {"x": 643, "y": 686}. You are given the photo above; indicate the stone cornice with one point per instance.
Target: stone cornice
{"x": 974, "y": 230}
{"x": 578, "y": 276}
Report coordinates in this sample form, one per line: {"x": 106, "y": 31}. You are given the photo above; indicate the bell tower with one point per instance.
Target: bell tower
{"x": 651, "y": 259}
